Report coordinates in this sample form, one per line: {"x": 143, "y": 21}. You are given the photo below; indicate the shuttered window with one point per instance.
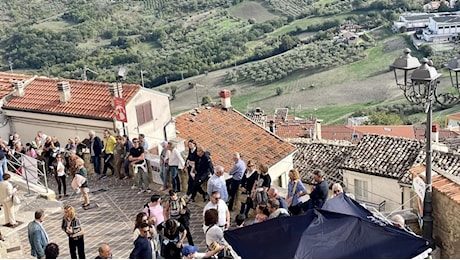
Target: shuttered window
{"x": 144, "y": 113}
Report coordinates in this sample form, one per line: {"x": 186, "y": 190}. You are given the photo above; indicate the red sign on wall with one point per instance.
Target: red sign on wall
{"x": 120, "y": 111}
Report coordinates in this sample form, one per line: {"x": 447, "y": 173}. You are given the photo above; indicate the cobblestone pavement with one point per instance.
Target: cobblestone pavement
{"x": 110, "y": 220}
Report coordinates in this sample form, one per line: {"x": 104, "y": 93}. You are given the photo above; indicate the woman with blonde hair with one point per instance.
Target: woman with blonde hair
{"x": 296, "y": 189}
{"x": 81, "y": 170}
{"x": 71, "y": 225}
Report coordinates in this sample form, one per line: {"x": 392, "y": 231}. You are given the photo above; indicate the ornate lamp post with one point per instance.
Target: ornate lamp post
{"x": 420, "y": 90}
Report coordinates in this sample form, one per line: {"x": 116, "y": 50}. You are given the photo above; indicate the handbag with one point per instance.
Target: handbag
{"x": 16, "y": 200}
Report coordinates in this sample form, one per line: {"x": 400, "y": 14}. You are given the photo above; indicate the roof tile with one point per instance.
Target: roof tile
{"x": 89, "y": 99}
{"x": 384, "y": 156}
{"x": 225, "y": 131}
{"x": 320, "y": 155}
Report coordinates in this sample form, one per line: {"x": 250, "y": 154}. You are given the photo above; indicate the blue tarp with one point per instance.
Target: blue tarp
{"x": 325, "y": 234}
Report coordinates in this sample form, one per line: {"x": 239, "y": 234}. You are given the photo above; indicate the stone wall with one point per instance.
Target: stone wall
{"x": 446, "y": 229}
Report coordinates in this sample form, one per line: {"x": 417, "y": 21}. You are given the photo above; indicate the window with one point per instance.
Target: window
{"x": 361, "y": 190}
{"x": 144, "y": 113}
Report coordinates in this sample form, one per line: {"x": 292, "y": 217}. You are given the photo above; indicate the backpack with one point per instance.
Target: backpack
{"x": 146, "y": 205}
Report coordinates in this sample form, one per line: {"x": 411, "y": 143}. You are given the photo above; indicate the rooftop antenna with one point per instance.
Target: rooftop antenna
{"x": 142, "y": 77}
{"x": 85, "y": 69}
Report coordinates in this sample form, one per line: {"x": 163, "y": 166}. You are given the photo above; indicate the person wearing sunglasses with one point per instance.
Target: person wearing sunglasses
{"x": 142, "y": 246}
{"x": 337, "y": 189}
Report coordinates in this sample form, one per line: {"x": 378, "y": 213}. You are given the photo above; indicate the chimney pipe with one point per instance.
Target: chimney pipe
{"x": 64, "y": 91}
{"x": 435, "y": 133}
{"x": 18, "y": 88}
{"x": 225, "y": 98}
{"x": 317, "y": 135}
{"x": 115, "y": 90}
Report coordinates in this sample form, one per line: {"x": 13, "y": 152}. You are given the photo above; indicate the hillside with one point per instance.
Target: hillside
{"x": 254, "y": 48}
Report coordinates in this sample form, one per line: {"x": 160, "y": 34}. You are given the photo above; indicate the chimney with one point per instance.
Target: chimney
{"x": 317, "y": 135}
{"x": 115, "y": 90}
{"x": 272, "y": 126}
{"x": 225, "y": 98}
{"x": 64, "y": 91}
{"x": 435, "y": 132}
{"x": 18, "y": 88}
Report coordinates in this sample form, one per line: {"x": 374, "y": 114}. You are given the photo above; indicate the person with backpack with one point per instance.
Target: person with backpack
{"x": 176, "y": 208}
{"x": 154, "y": 210}
{"x": 155, "y": 214}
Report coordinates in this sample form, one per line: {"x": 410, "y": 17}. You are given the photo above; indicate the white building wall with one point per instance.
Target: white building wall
{"x": 154, "y": 131}
{"x": 279, "y": 172}
{"x": 379, "y": 189}
{"x": 28, "y": 124}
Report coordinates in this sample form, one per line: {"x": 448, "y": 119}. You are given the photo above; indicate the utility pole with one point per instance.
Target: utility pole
{"x": 10, "y": 63}
{"x": 142, "y": 77}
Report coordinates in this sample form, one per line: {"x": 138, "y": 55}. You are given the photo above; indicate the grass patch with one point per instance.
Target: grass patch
{"x": 336, "y": 115}
{"x": 56, "y": 26}
{"x": 249, "y": 9}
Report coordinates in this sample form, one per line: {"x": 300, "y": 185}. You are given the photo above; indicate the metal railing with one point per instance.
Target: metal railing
{"x": 31, "y": 169}
{"x": 380, "y": 206}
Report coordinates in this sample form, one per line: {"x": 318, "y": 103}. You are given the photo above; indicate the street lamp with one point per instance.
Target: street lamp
{"x": 421, "y": 90}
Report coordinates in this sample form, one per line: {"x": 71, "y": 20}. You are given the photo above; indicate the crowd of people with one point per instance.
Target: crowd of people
{"x": 162, "y": 227}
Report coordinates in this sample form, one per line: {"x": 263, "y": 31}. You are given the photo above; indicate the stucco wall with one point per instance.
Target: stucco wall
{"x": 379, "y": 189}
{"x": 153, "y": 131}
{"x": 446, "y": 229}
{"x": 60, "y": 126}
{"x": 280, "y": 170}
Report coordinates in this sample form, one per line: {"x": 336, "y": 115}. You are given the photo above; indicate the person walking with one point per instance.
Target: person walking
{"x": 176, "y": 163}
{"x": 109, "y": 148}
{"x": 81, "y": 170}
{"x": 164, "y": 167}
{"x": 58, "y": 169}
{"x": 192, "y": 157}
{"x": 204, "y": 169}
{"x": 95, "y": 150}
{"x": 72, "y": 227}
{"x": 142, "y": 246}
{"x": 7, "y": 191}
{"x": 176, "y": 208}
{"x": 38, "y": 238}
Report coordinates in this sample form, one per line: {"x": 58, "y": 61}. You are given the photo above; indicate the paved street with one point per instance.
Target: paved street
{"x": 112, "y": 221}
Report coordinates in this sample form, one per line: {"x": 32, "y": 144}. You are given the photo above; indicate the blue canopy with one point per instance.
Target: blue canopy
{"x": 325, "y": 234}
{"x": 345, "y": 205}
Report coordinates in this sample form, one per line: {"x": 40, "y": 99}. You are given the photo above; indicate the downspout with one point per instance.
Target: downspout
{"x": 164, "y": 128}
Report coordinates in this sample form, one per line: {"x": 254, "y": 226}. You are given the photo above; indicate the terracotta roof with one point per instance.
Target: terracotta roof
{"x": 456, "y": 116}
{"x": 406, "y": 131}
{"x": 446, "y": 186}
{"x": 223, "y": 132}
{"x": 443, "y": 134}
{"x": 324, "y": 156}
{"x": 6, "y": 82}
{"x": 384, "y": 156}
{"x": 89, "y": 99}
{"x": 338, "y": 132}
{"x": 295, "y": 129}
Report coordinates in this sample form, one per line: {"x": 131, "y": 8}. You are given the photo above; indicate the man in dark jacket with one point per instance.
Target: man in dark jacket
{"x": 95, "y": 149}
{"x": 204, "y": 169}
{"x": 319, "y": 194}
{"x": 142, "y": 246}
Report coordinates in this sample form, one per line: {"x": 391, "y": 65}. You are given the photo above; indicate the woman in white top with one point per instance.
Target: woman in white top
{"x": 58, "y": 169}
{"x": 7, "y": 191}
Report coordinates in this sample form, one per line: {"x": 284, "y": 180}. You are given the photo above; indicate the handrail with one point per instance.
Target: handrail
{"x": 15, "y": 163}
